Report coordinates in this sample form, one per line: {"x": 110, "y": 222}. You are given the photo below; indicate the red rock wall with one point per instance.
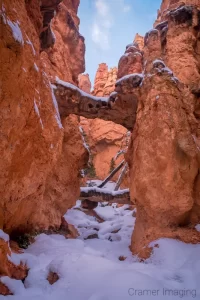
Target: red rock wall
{"x": 34, "y": 144}
{"x": 168, "y": 5}
{"x": 66, "y": 59}
{"x": 164, "y": 157}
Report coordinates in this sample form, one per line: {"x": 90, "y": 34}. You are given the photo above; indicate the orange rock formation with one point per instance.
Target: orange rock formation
{"x": 39, "y": 165}
{"x": 105, "y": 79}
{"x": 84, "y": 83}
{"x": 139, "y": 41}
{"x": 164, "y": 155}
{"x": 132, "y": 60}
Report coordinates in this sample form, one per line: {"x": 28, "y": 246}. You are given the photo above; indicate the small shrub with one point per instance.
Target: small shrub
{"x": 112, "y": 165}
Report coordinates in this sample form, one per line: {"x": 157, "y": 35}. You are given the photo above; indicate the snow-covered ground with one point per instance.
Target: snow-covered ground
{"x": 90, "y": 269}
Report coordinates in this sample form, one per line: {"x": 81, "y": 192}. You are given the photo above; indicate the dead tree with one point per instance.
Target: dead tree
{"x": 111, "y": 175}
{"x": 121, "y": 177}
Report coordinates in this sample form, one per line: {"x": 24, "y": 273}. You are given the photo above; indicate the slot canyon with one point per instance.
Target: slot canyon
{"x": 99, "y": 182}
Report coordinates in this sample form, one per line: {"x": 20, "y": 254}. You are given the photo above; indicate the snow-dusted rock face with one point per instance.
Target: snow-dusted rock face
{"x": 8, "y": 267}
{"x": 168, "y": 5}
{"x": 132, "y": 60}
{"x": 66, "y": 59}
{"x": 37, "y": 150}
{"x": 164, "y": 155}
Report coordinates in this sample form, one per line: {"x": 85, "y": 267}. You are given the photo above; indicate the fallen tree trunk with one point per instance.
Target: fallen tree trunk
{"x": 105, "y": 195}
{"x": 110, "y": 176}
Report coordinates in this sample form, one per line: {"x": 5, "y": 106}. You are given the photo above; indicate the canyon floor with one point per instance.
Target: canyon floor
{"x": 98, "y": 265}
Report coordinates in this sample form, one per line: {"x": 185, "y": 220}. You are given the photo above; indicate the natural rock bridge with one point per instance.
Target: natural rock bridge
{"x": 120, "y": 107}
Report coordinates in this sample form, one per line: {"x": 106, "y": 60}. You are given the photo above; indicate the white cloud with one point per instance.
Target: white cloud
{"x": 100, "y": 37}
{"x": 126, "y": 8}
{"x": 102, "y": 8}
{"x": 103, "y": 22}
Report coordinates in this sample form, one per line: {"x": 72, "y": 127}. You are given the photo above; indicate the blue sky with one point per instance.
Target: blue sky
{"x": 109, "y": 25}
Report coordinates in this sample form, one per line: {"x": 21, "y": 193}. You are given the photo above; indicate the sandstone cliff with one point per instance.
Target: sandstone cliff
{"x": 164, "y": 157}
{"x": 37, "y": 148}
{"x": 66, "y": 58}
{"x": 168, "y": 5}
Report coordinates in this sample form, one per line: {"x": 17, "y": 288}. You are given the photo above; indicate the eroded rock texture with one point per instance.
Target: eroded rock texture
{"x": 139, "y": 41}
{"x": 66, "y": 58}
{"x": 132, "y": 60}
{"x": 168, "y": 5}
{"x": 84, "y": 83}
{"x": 105, "y": 79}
{"x": 36, "y": 148}
{"x": 164, "y": 155}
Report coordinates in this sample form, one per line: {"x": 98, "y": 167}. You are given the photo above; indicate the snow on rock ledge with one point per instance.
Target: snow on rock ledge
{"x": 72, "y": 100}
{"x": 4, "y": 236}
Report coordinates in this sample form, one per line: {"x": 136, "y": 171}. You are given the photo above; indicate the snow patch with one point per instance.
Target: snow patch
{"x": 84, "y": 94}
{"x": 152, "y": 31}
{"x": 91, "y": 270}
{"x": 38, "y": 113}
{"x": 30, "y": 43}
{"x": 119, "y": 153}
{"x": 54, "y": 36}
{"x": 197, "y": 227}
{"x": 16, "y": 31}
{"x": 36, "y": 67}
{"x": 169, "y": 71}
{"x": 14, "y": 26}
{"x": 113, "y": 94}
{"x": 4, "y": 236}
{"x": 158, "y": 61}
{"x": 83, "y": 139}
{"x": 57, "y": 115}
{"x": 129, "y": 76}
